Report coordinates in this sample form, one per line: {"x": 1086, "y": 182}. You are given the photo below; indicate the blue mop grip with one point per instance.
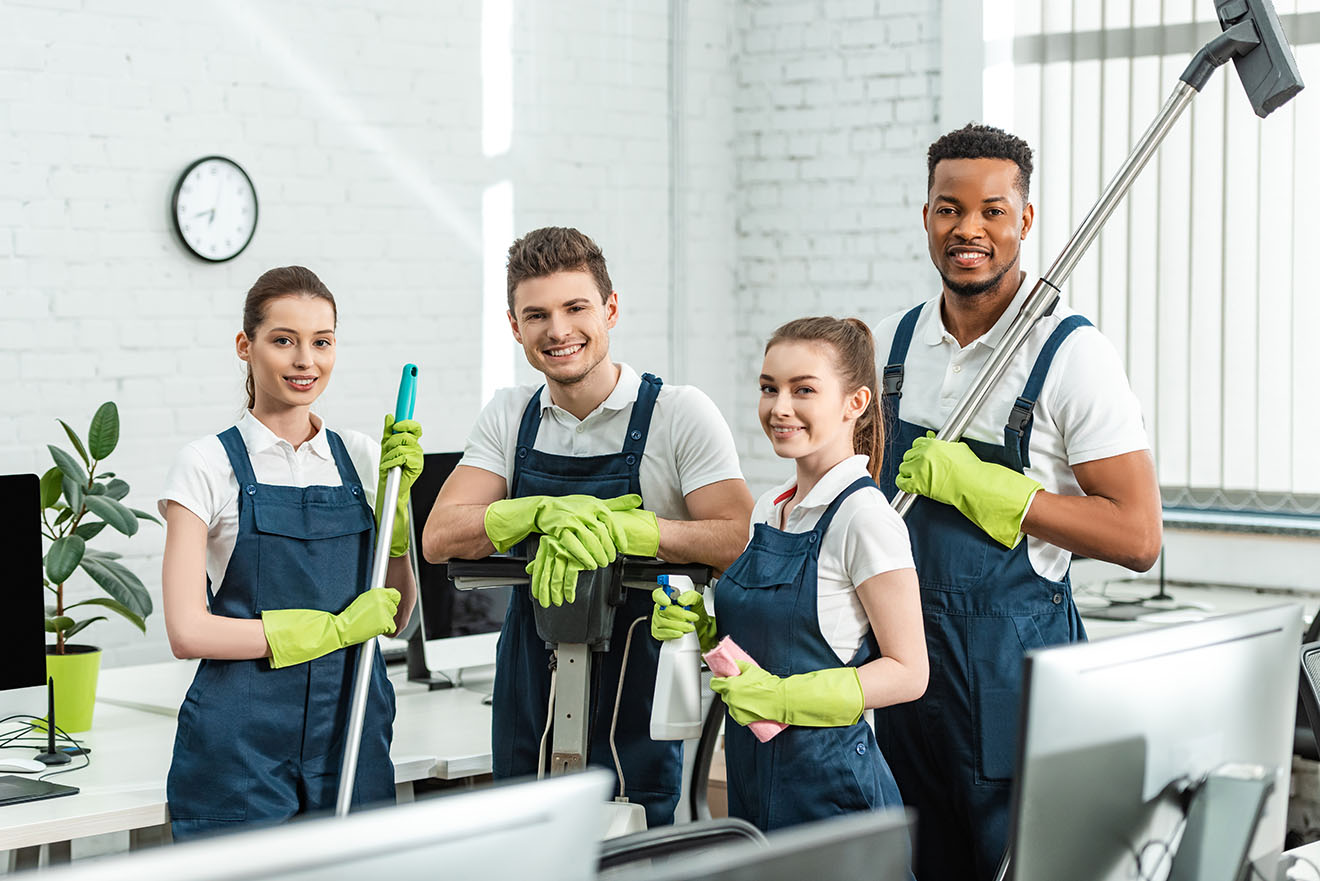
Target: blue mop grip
{"x": 403, "y": 408}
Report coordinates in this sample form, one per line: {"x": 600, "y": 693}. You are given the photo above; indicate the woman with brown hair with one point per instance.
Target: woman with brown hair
{"x": 824, "y": 599}
{"x": 268, "y": 547}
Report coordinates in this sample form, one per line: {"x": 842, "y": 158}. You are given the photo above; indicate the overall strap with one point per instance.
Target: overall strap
{"x": 639, "y": 425}
{"x": 824, "y": 523}
{"x": 232, "y": 440}
{"x": 892, "y": 380}
{"x": 530, "y": 425}
{"x": 347, "y": 472}
{"x": 1017, "y": 433}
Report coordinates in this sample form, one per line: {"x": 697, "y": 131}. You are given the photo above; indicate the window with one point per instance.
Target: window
{"x": 1203, "y": 277}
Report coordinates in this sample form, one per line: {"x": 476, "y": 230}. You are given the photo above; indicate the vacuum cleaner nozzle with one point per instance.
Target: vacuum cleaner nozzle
{"x": 1268, "y": 70}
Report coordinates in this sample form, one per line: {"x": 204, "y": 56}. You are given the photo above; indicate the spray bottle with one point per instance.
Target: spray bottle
{"x": 676, "y": 708}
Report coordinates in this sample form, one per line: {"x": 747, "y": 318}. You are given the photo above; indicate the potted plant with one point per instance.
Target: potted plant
{"x": 77, "y": 503}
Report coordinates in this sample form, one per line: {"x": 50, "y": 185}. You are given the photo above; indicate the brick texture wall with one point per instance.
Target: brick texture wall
{"x": 794, "y": 188}
{"x": 837, "y": 101}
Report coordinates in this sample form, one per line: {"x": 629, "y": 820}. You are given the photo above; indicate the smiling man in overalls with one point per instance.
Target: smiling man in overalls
{"x": 598, "y": 461}
{"x": 1055, "y": 462}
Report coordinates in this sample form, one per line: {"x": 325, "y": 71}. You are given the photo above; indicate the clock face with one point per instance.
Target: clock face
{"x": 215, "y": 208}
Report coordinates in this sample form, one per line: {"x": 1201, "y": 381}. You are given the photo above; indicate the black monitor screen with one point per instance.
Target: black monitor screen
{"x": 22, "y": 629}
{"x": 447, "y": 611}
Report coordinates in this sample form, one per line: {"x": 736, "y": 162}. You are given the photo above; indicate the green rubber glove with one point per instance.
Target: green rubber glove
{"x": 296, "y": 636}
{"x": 399, "y": 448}
{"x": 993, "y": 497}
{"x": 822, "y": 699}
{"x": 576, "y": 522}
{"x": 554, "y": 573}
{"x": 669, "y": 620}
{"x": 636, "y": 533}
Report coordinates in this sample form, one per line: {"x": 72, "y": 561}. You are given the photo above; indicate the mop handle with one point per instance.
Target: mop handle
{"x": 403, "y": 409}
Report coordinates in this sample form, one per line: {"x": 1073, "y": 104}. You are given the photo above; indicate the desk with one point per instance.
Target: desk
{"x": 439, "y": 734}
{"x": 1219, "y": 600}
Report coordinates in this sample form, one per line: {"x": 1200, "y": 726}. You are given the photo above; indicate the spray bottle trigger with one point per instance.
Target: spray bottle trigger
{"x": 671, "y": 591}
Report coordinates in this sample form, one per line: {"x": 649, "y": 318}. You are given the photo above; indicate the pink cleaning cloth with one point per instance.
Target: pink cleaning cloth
{"x": 723, "y": 661}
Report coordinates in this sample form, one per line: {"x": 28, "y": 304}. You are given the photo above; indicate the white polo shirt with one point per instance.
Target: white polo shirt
{"x": 865, "y": 538}
{"x": 1086, "y": 410}
{"x": 202, "y": 480}
{"x": 689, "y": 445}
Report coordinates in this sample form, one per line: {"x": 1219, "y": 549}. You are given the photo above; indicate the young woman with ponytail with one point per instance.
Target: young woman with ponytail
{"x": 268, "y": 550}
{"x": 824, "y": 598}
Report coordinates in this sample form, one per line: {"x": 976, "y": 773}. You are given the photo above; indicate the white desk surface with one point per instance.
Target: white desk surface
{"x": 1302, "y": 863}
{"x": 442, "y": 734}
{"x": 1218, "y": 600}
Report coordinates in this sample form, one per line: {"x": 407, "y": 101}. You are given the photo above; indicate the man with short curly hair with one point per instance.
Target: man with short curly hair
{"x": 1057, "y": 454}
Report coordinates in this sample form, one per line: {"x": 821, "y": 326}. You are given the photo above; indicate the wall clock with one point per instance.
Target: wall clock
{"x": 215, "y": 208}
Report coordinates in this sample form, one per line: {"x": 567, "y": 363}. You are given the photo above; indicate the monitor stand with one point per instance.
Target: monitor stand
{"x": 1221, "y": 823}
{"x": 417, "y": 669}
{"x": 1137, "y": 607}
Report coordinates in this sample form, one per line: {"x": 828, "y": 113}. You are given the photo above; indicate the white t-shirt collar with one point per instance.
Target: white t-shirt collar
{"x": 826, "y": 490}
{"x": 622, "y": 397}
{"x": 935, "y": 332}
{"x": 258, "y": 438}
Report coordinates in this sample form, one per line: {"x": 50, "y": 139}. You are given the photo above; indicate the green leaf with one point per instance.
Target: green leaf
{"x": 103, "y": 435}
{"x": 55, "y": 625}
{"x": 68, "y": 634}
{"x": 68, "y": 464}
{"x": 77, "y": 443}
{"x": 143, "y": 515}
{"x": 116, "y": 489}
{"x": 119, "y": 608}
{"x": 51, "y": 483}
{"x": 64, "y": 515}
{"x": 73, "y": 492}
{"x": 64, "y": 556}
{"x": 101, "y": 555}
{"x": 120, "y": 583}
{"x": 89, "y": 530}
{"x": 96, "y": 489}
{"x": 106, "y": 475}
{"x": 112, "y": 512}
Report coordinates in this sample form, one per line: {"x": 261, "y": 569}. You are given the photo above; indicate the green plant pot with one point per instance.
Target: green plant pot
{"x": 75, "y": 674}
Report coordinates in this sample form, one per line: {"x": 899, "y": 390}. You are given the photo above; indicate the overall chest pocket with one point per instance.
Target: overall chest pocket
{"x": 314, "y": 516}
{"x": 950, "y": 550}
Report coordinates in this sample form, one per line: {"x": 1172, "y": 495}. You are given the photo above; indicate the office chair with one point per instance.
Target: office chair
{"x": 667, "y": 841}
{"x": 1308, "y": 687}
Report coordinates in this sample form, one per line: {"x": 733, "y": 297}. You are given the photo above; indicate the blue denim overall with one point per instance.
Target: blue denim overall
{"x": 767, "y": 601}
{"x": 256, "y": 744}
{"x": 652, "y": 770}
{"x": 955, "y": 748}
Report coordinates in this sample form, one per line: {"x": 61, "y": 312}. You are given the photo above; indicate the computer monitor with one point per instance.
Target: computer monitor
{"x": 873, "y": 846}
{"x": 459, "y": 628}
{"x": 1112, "y": 731}
{"x": 22, "y": 627}
{"x": 545, "y": 829}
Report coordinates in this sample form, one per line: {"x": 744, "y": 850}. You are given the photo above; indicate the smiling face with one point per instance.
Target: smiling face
{"x": 804, "y": 408}
{"x": 975, "y": 222}
{"x": 563, "y": 325}
{"x": 291, "y": 352}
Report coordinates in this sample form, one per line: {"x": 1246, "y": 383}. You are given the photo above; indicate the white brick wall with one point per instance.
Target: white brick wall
{"x": 836, "y": 104}
{"x": 361, "y": 127}
{"x": 804, "y": 125}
